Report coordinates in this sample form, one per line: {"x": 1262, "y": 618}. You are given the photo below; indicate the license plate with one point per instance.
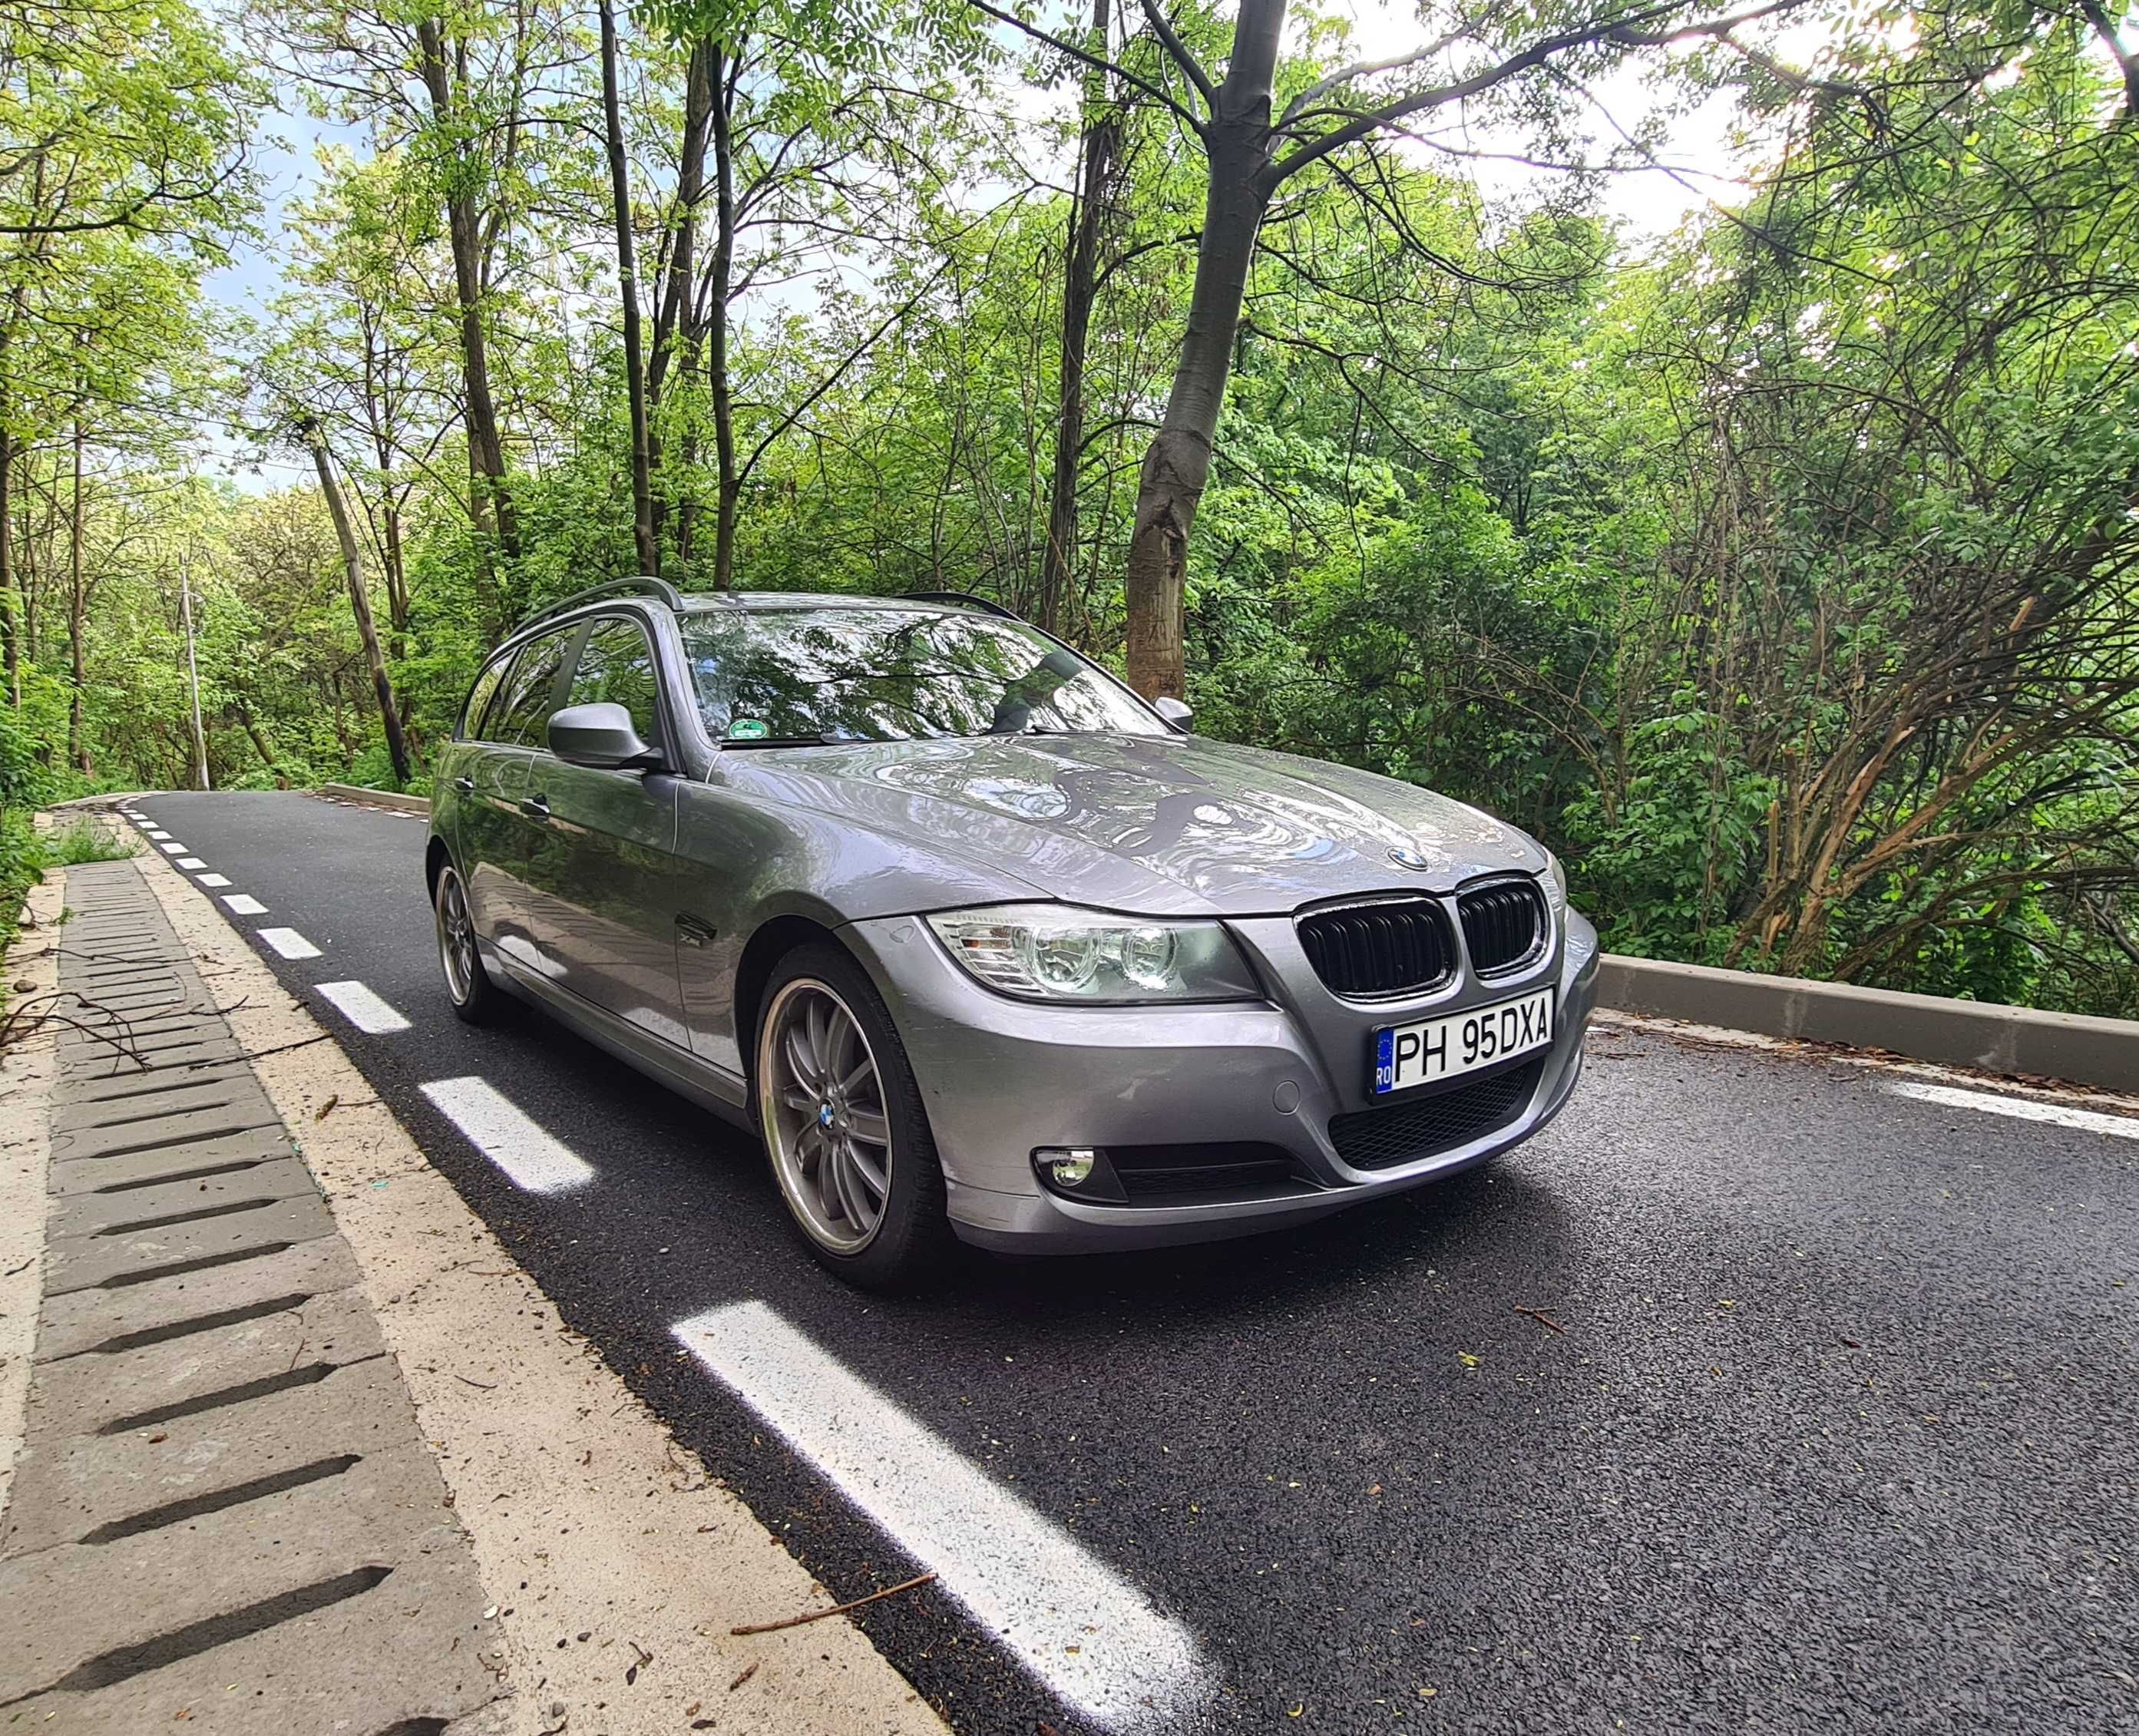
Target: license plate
{"x": 1433, "y": 1049}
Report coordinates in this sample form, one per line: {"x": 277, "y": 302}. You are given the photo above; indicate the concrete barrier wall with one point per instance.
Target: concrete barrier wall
{"x": 2102, "y": 1052}
{"x": 377, "y": 797}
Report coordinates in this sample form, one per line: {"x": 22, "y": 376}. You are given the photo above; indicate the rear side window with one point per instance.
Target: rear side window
{"x": 479, "y": 696}
{"x": 616, "y": 667}
{"x": 520, "y": 717}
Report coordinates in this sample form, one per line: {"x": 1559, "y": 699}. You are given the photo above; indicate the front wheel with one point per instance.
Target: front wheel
{"x": 475, "y": 997}
{"x": 845, "y": 1126}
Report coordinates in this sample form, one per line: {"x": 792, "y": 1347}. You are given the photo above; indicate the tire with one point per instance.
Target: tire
{"x": 828, "y": 1162}
{"x": 475, "y": 997}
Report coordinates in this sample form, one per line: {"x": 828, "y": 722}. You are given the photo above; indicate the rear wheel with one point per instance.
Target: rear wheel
{"x": 845, "y": 1126}
{"x": 475, "y": 997}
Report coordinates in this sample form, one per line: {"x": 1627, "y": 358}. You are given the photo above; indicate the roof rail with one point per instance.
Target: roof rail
{"x": 965, "y": 599}
{"x": 640, "y": 587}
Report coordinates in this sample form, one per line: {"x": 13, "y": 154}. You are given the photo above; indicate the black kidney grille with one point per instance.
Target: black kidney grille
{"x": 1502, "y": 925}
{"x": 1381, "y": 1138}
{"x": 1393, "y": 948}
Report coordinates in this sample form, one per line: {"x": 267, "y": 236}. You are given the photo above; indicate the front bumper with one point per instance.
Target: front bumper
{"x": 1003, "y": 1078}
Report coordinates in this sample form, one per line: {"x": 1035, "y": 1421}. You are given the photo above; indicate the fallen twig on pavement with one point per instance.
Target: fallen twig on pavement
{"x": 1542, "y": 1316}
{"x": 837, "y": 1609}
{"x": 749, "y": 1671}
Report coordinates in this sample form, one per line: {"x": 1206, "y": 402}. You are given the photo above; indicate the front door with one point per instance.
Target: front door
{"x": 606, "y": 887}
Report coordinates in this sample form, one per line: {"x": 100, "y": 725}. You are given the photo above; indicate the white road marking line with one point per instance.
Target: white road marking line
{"x": 244, "y": 904}
{"x": 289, "y": 943}
{"x": 153, "y": 833}
{"x": 213, "y": 879}
{"x": 1083, "y": 1630}
{"x": 2063, "y": 1115}
{"x": 172, "y": 850}
{"x": 191, "y": 863}
{"x": 362, "y": 1007}
{"x": 505, "y": 1134}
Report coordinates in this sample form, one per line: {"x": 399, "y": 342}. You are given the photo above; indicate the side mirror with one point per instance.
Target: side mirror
{"x": 1177, "y": 713}
{"x": 599, "y": 735}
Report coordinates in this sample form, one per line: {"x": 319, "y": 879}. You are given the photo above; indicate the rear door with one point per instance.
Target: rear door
{"x": 461, "y": 821}
{"x": 606, "y": 887}
{"x": 505, "y": 827}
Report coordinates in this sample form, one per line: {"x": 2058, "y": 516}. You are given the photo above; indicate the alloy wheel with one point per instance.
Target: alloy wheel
{"x": 456, "y": 951}
{"x": 821, "y": 1100}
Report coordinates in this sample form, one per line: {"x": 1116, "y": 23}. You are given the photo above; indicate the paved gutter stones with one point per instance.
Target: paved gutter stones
{"x": 224, "y": 1509}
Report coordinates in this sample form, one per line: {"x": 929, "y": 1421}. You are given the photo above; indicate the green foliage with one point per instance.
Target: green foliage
{"x": 1780, "y": 575}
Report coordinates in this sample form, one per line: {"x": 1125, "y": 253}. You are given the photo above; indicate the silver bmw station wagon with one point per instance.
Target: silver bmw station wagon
{"x": 981, "y": 944}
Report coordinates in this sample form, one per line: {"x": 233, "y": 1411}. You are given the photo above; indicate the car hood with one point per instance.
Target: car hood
{"x": 1158, "y": 825}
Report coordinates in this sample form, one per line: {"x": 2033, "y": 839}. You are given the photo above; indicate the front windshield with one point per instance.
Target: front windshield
{"x": 870, "y": 674}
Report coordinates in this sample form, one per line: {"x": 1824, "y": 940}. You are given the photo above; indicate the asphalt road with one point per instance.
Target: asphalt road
{"x": 1842, "y": 1433}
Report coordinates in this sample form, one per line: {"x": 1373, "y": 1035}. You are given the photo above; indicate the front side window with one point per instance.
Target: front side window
{"x": 479, "y": 696}
{"x": 821, "y": 674}
{"x": 616, "y": 667}
{"x": 520, "y": 717}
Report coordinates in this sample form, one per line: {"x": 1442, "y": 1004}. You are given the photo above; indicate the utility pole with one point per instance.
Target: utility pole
{"x": 192, "y": 665}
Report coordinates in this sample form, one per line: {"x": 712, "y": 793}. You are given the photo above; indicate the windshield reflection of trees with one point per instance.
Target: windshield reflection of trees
{"x": 867, "y": 675}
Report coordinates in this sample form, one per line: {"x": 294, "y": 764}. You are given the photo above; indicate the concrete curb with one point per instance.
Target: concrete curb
{"x": 376, "y": 798}
{"x": 1978, "y": 1034}
{"x": 195, "y": 1505}
{"x": 1984, "y": 1034}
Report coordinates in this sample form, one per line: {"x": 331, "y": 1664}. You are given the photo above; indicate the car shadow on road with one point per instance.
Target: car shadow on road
{"x": 1500, "y": 1211}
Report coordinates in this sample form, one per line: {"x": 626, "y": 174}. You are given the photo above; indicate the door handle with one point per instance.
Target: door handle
{"x": 692, "y": 932}
{"x": 534, "y": 807}
{"x": 465, "y": 785}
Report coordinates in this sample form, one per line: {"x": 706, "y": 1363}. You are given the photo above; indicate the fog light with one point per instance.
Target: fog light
{"x": 1071, "y": 1168}
{"x": 1081, "y": 1171}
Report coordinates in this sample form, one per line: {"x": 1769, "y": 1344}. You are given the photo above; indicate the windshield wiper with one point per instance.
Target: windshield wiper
{"x": 729, "y": 741}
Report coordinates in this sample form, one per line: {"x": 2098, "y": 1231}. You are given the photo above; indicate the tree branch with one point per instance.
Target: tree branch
{"x": 1634, "y": 30}
{"x": 1190, "y": 68}
{"x": 1098, "y": 61}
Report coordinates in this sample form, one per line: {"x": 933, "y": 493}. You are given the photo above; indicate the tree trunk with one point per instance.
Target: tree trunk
{"x": 627, "y": 275}
{"x": 12, "y": 603}
{"x": 1097, "y": 151}
{"x": 720, "y": 275}
{"x": 397, "y": 580}
{"x": 262, "y": 746}
{"x": 1177, "y": 464}
{"x": 676, "y": 325}
{"x": 360, "y": 602}
{"x": 491, "y": 504}
{"x": 77, "y": 621}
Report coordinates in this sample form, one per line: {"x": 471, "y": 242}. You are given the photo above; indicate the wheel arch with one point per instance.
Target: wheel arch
{"x": 435, "y": 856}
{"x": 761, "y": 954}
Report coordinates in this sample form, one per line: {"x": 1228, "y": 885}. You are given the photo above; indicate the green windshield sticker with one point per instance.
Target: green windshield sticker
{"x": 748, "y": 729}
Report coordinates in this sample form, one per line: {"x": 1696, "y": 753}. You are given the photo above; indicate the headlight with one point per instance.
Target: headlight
{"x": 1058, "y": 953}
{"x": 1554, "y": 877}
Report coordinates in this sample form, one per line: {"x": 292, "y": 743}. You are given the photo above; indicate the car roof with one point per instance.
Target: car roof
{"x": 695, "y": 602}
{"x": 571, "y": 614}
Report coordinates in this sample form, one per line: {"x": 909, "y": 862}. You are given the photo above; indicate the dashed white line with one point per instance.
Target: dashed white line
{"x": 289, "y": 943}
{"x": 362, "y": 1009}
{"x": 1088, "y": 1634}
{"x": 172, "y": 850}
{"x": 214, "y": 879}
{"x": 2062, "y": 1115}
{"x": 190, "y": 863}
{"x": 244, "y": 904}
{"x": 152, "y": 832}
{"x": 504, "y": 1133}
